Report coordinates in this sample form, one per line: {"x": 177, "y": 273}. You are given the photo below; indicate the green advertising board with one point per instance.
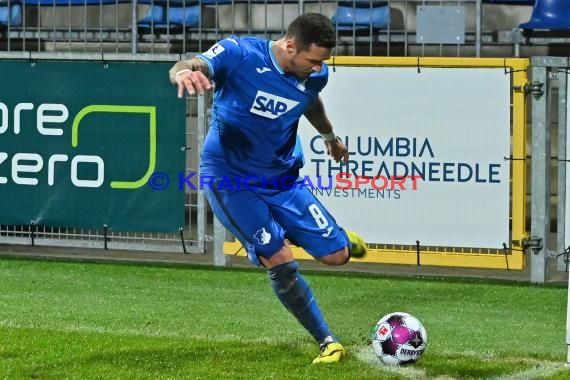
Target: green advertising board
{"x": 79, "y": 141}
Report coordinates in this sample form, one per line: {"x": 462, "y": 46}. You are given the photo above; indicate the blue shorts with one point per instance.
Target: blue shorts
{"x": 262, "y": 218}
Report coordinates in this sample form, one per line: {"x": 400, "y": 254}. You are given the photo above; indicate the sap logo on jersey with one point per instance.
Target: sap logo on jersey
{"x": 271, "y": 106}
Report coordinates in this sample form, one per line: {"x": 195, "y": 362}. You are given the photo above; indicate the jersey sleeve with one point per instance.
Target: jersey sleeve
{"x": 222, "y": 57}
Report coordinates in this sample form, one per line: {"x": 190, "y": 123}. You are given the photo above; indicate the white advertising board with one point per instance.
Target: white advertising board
{"x": 448, "y": 128}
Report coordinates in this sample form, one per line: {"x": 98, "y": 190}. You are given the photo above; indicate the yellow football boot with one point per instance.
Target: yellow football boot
{"x": 358, "y": 246}
{"x": 331, "y": 352}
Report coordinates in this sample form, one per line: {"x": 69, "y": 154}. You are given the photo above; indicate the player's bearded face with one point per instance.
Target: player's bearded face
{"x": 306, "y": 62}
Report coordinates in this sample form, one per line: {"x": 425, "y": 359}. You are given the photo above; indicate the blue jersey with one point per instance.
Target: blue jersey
{"x": 256, "y": 111}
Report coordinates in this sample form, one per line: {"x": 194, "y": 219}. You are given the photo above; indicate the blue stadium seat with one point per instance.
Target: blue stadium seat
{"x": 175, "y": 13}
{"x": 187, "y": 3}
{"x": 11, "y": 15}
{"x": 163, "y": 16}
{"x": 361, "y": 15}
{"x": 549, "y": 15}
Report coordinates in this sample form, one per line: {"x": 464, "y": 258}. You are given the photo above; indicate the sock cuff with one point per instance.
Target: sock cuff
{"x": 282, "y": 270}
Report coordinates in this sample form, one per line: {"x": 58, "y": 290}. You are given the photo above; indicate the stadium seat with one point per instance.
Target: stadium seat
{"x": 175, "y": 13}
{"x": 163, "y": 16}
{"x": 11, "y": 15}
{"x": 549, "y": 15}
{"x": 361, "y": 15}
{"x": 182, "y": 3}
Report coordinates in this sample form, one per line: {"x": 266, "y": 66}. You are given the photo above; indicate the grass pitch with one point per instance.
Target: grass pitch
{"x": 115, "y": 321}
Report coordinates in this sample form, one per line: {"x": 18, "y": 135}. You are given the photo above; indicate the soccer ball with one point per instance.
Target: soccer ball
{"x": 399, "y": 339}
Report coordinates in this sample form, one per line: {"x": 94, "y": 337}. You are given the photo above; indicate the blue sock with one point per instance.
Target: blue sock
{"x": 296, "y": 295}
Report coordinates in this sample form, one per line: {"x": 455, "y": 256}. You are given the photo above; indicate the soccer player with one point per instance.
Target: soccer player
{"x": 261, "y": 90}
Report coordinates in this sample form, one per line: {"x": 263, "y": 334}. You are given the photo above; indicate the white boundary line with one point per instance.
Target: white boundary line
{"x": 539, "y": 368}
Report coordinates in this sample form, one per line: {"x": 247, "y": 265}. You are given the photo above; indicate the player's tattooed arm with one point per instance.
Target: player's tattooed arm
{"x": 192, "y": 75}
{"x": 192, "y": 64}
{"x": 317, "y": 116}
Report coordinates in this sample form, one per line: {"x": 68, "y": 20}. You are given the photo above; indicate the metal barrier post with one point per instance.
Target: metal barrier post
{"x": 219, "y": 231}
{"x": 540, "y": 183}
{"x": 220, "y": 259}
{"x": 134, "y": 26}
{"x": 562, "y": 263}
{"x": 201, "y": 133}
{"x": 478, "y": 27}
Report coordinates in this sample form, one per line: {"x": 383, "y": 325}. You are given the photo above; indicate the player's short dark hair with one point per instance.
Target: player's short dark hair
{"x": 311, "y": 28}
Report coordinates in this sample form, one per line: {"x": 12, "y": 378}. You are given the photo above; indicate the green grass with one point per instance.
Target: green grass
{"x": 116, "y": 321}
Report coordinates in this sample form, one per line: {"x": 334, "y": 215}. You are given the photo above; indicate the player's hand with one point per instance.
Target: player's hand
{"x": 192, "y": 81}
{"x": 337, "y": 150}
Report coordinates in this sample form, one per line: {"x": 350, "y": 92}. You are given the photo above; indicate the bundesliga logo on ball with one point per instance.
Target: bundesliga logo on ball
{"x": 399, "y": 339}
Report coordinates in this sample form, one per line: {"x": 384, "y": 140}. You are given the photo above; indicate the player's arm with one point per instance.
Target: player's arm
{"x": 191, "y": 74}
{"x": 317, "y": 116}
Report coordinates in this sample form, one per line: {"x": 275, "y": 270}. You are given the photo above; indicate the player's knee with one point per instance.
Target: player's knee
{"x": 339, "y": 257}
